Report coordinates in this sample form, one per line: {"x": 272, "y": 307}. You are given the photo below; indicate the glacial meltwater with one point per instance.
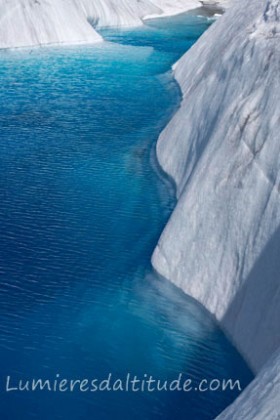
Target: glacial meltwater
{"x": 82, "y": 206}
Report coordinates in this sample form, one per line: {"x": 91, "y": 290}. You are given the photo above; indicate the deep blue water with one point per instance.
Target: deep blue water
{"x": 82, "y": 205}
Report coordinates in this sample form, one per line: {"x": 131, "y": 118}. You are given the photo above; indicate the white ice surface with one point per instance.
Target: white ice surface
{"x": 260, "y": 400}
{"x": 40, "y": 22}
{"x": 131, "y": 12}
{"x": 222, "y": 243}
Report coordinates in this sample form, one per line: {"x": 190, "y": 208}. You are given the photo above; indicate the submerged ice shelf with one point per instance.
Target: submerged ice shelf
{"x": 81, "y": 210}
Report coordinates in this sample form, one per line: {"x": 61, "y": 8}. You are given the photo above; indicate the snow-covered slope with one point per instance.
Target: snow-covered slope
{"x": 260, "y": 400}
{"x": 222, "y": 148}
{"x": 39, "y": 22}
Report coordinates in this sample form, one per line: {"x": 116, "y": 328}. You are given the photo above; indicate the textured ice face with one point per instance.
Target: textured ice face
{"x": 131, "y": 12}
{"x": 40, "y": 22}
{"x": 222, "y": 242}
{"x": 260, "y": 400}
{"x": 36, "y": 22}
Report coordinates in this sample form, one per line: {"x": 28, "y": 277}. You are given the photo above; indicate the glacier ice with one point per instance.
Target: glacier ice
{"x": 104, "y": 13}
{"x": 260, "y": 400}
{"x": 221, "y": 244}
{"x": 222, "y": 148}
{"x": 39, "y": 22}
{"x": 26, "y": 23}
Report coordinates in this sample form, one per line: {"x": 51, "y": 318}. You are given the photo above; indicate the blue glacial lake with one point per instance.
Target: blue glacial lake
{"x": 82, "y": 205}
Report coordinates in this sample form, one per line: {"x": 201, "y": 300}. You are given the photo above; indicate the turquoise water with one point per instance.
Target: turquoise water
{"x": 82, "y": 206}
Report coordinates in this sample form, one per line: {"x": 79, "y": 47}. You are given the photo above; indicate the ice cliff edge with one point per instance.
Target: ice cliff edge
{"x": 25, "y": 23}
{"x": 260, "y": 400}
{"x": 222, "y": 148}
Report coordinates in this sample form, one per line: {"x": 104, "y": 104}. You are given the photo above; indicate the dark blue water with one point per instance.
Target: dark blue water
{"x": 82, "y": 205}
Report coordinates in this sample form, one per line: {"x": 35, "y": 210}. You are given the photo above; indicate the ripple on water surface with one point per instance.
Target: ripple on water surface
{"x": 81, "y": 210}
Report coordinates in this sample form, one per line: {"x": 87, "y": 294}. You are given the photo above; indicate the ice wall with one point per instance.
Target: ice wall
{"x": 260, "y": 400}
{"x": 131, "y": 12}
{"x": 39, "y": 22}
{"x": 222, "y": 243}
